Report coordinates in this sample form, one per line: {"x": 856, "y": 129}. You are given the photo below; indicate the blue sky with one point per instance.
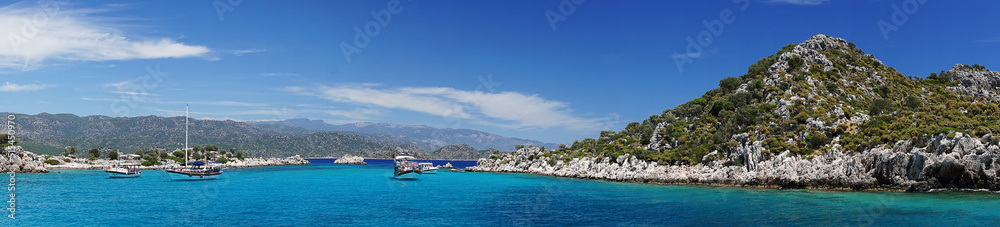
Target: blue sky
{"x": 554, "y": 71}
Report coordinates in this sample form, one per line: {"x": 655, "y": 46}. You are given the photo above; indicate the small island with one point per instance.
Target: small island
{"x": 351, "y": 160}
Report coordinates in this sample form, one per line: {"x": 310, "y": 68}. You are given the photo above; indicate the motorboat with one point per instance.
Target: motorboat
{"x": 405, "y": 169}
{"x": 123, "y": 171}
{"x": 427, "y": 168}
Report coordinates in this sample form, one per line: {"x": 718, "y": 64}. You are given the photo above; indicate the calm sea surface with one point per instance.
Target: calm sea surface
{"x": 326, "y": 194}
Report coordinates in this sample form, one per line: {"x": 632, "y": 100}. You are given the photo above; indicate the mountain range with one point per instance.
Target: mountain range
{"x": 426, "y": 137}
{"x": 51, "y": 133}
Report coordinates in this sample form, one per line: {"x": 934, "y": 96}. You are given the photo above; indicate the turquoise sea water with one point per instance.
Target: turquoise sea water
{"x": 325, "y": 194}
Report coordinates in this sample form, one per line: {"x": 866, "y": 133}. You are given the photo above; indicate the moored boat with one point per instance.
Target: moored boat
{"x": 194, "y": 171}
{"x": 123, "y": 171}
{"x": 405, "y": 169}
{"x": 427, "y": 168}
{"x": 197, "y": 170}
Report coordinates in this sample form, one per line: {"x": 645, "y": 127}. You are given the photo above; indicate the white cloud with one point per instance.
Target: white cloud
{"x": 356, "y": 114}
{"x": 134, "y": 93}
{"x": 246, "y": 51}
{"x": 9, "y": 87}
{"x": 216, "y": 103}
{"x": 505, "y": 109}
{"x": 221, "y": 119}
{"x": 47, "y": 31}
{"x": 798, "y": 2}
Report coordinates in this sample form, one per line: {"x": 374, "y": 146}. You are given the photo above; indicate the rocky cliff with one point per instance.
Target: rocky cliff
{"x": 15, "y": 159}
{"x": 959, "y": 162}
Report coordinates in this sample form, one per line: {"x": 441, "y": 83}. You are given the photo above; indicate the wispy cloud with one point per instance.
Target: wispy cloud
{"x": 798, "y": 2}
{"x": 505, "y": 109}
{"x": 134, "y": 93}
{"x": 221, "y": 119}
{"x": 9, "y": 87}
{"x": 60, "y": 33}
{"x": 279, "y": 74}
{"x": 988, "y": 41}
{"x": 245, "y": 51}
{"x": 217, "y": 103}
{"x": 356, "y": 114}
{"x": 133, "y": 90}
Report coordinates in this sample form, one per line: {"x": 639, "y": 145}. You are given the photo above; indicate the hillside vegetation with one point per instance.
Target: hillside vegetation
{"x": 806, "y": 99}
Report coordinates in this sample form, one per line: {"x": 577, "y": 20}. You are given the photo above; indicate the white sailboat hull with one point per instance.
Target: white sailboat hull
{"x": 179, "y": 175}
{"x": 122, "y": 175}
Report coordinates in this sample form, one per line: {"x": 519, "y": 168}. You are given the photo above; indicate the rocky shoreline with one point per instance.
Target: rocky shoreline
{"x": 27, "y": 162}
{"x": 16, "y": 159}
{"x": 960, "y": 162}
{"x": 257, "y": 162}
{"x": 80, "y": 163}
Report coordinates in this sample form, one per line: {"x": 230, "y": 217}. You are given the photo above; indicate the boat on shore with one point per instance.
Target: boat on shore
{"x": 123, "y": 171}
{"x": 405, "y": 169}
{"x": 427, "y": 168}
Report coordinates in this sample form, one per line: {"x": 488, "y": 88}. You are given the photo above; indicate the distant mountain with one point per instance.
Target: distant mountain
{"x": 426, "y": 137}
{"x": 460, "y": 152}
{"x": 50, "y": 133}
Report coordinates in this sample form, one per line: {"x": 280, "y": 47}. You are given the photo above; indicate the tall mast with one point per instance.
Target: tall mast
{"x": 185, "y": 134}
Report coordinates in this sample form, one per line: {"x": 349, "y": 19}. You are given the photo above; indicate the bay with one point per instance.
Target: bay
{"x": 334, "y": 195}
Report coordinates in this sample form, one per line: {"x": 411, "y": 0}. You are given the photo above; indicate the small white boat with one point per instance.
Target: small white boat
{"x": 123, "y": 171}
{"x": 405, "y": 169}
{"x": 427, "y": 168}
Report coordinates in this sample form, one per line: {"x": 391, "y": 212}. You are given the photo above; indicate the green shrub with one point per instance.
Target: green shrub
{"x": 795, "y": 63}
{"x": 880, "y": 106}
{"x": 52, "y": 162}
{"x": 222, "y": 160}
{"x": 149, "y": 163}
{"x": 730, "y": 83}
{"x": 913, "y": 102}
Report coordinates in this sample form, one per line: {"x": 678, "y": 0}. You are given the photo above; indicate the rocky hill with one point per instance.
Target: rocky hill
{"x": 426, "y": 137}
{"x": 460, "y": 152}
{"x": 821, "y": 113}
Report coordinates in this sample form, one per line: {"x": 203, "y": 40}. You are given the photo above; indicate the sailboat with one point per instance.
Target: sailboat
{"x": 192, "y": 170}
